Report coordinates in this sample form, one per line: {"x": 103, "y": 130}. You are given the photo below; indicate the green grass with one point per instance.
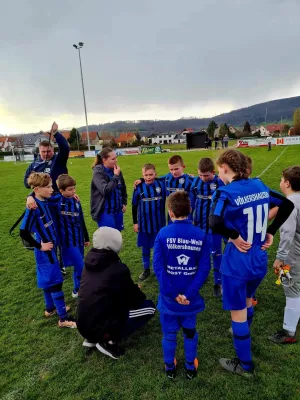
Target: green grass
{"x": 39, "y": 361}
{"x": 174, "y": 147}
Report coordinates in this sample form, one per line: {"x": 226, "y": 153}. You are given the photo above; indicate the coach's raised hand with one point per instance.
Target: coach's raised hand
{"x": 54, "y": 128}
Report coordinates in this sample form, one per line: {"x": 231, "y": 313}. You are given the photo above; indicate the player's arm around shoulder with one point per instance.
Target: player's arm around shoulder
{"x": 285, "y": 208}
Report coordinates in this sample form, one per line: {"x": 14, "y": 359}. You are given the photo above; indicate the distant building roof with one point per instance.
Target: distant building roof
{"x": 30, "y": 139}
{"x": 66, "y": 134}
{"x": 92, "y": 136}
{"x": 187, "y": 130}
{"x": 275, "y": 128}
{"x": 125, "y": 137}
{"x": 179, "y": 136}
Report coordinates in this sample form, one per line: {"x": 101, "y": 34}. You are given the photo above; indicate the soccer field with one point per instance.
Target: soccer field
{"x": 40, "y": 361}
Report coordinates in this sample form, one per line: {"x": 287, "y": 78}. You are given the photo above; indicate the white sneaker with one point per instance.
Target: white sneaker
{"x": 74, "y": 294}
{"x": 86, "y": 343}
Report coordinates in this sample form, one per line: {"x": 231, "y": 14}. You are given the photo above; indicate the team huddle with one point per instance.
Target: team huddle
{"x": 186, "y": 221}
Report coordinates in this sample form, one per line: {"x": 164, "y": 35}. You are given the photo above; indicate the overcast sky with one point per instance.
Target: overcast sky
{"x": 158, "y": 59}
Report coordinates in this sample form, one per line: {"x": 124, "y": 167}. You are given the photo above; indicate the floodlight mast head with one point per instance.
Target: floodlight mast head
{"x": 78, "y": 46}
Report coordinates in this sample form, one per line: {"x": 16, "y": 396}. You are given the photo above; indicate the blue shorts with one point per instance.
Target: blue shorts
{"x": 173, "y": 323}
{"x": 72, "y": 256}
{"x": 111, "y": 220}
{"x": 146, "y": 239}
{"x": 47, "y": 274}
{"x": 235, "y": 292}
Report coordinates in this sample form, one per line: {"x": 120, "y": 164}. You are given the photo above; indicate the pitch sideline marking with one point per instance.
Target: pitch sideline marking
{"x": 274, "y": 161}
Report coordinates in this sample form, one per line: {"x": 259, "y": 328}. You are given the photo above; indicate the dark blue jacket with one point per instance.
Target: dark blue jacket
{"x": 56, "y": 166}
{"x": 181, "y": 262}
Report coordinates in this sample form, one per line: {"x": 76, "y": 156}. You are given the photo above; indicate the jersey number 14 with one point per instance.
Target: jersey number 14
{"x": 258, "y": 224}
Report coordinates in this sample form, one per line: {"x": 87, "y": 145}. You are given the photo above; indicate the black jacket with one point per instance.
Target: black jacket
{"x": 101, "y": 186}
{"x": 106, "y": 295}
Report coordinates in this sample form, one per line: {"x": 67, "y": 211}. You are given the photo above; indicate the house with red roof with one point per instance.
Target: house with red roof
{"x": 126, "y": 138}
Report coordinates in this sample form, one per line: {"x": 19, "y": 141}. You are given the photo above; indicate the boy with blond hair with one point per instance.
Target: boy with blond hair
{"x": 148, "y": 213}
{"x": 39, "y": 221}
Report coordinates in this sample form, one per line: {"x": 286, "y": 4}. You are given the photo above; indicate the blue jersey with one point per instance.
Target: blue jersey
{"x": 113, "y": 203}
{"x": 54, "y": 167}
{"x": 172, "y": 184}
{"x": 181, "y": 262}
{"x": 149, "y": 200}
{"x": 244, "y": 205}
{"x": 71, "y": 227}
{"x": 201, "y": 194}
{"x": 40, "y": 223}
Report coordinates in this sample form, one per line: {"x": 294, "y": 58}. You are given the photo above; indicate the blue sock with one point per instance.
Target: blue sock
{"x": 250, "y": 313}
{"x": 59, "y": 301}
{"x": 217, "y": 265}
{"x": 48, "y": 301}
{"x": 146, "y": 257}
{"x": 169, "y": 348}
{"x": 242, "y": 343}
{"x": 190, "y": 350}
{"x": 77, "y": 272}
{"x": 76, "y": 280}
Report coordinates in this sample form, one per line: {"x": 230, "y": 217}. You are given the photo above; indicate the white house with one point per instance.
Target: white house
{"x": 166, "y": 138}
{"x": 30, "y": 141}
{"x": 264, "y": 131}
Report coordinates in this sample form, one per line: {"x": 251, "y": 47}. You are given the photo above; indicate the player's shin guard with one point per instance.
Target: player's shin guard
{"x": 250, "y": 313}
{"x": 169, "y": 348}
{"x": 242, "y": 343}
{"x": 59, "y": 301}
{"x": 146, "y": 257}
{"x": 190, "y": 347}
{"x": 49, "y": 304}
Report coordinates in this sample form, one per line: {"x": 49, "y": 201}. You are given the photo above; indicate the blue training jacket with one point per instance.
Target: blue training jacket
{"x": 54, "y": 167}
{"x": 181, "y": 262}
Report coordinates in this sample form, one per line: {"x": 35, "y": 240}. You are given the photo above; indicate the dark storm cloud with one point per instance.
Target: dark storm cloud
{"x": 164, "y": 53}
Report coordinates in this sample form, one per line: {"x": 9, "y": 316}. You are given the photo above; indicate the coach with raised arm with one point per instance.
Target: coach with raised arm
{"x": 49, "y": 162}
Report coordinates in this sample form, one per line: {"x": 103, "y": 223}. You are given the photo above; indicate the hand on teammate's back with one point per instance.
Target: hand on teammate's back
{"x": 240, "y": 244}
{"x": 46, "y": 246}
{"x": 268, "y": 242}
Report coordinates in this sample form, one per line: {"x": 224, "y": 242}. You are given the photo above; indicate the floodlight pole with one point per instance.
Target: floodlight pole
{"x": 78, "y": 47}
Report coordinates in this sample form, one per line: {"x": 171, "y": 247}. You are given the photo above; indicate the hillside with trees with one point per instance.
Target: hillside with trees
{"x": 255, "y": 115}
